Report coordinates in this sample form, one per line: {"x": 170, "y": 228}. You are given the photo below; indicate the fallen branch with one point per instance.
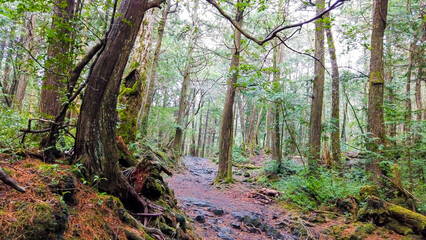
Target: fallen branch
{"x": 4, "y": 177}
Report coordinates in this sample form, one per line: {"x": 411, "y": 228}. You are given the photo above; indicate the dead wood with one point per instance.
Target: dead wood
{"x": 383, "y": 213}
{"x": 4, "y": 177}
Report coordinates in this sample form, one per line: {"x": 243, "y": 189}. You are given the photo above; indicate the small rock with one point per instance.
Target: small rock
{"x": 215, "y": 228}
{"x": 200, "y": 218}
{"x": 224, "y": 236}
{"x": 235, "y": 225}
{"x": 218, "y": 211}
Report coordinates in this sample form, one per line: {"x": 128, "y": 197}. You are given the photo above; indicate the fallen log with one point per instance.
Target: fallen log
{"x": 4, "y": 177}
{"x": 384, "y": 213}
{"x": 248, "y": 166}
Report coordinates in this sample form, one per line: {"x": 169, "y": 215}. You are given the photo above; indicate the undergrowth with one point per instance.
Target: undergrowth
{"x": 312, "y": 192}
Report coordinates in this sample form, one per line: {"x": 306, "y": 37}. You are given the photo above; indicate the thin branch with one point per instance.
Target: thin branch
{"x": 274, "y": 33}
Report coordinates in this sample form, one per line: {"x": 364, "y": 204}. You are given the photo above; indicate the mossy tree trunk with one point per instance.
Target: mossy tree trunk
{"x": 133, "y": 90}
{"x": 335, "y": 102}
{"x": 375, "y": 121}
{"x": 317, "y": 92}
{"x": 276, "y": 135}
{"x": 226, "y": 138}
{"x": 96, "y": 145}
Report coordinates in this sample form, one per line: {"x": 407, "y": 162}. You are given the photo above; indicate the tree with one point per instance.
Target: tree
{"x": 59, "y": 58}
{"x": 317, "y": 91}
{"x": 146, "y": 107}
{"x": 335, "y": 118}
{"x": 376, "y": 124}
{"x": 226, "y": 127}
{"x": 177, "y": 142}
{"x": 95, "y": 144}
{"x": 133, "y": 92}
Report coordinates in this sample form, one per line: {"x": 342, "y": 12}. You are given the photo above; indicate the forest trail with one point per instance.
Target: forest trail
{"x": 204, "y": 203}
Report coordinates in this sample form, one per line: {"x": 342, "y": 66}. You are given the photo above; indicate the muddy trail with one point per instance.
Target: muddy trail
{"x": 225, "y": 211}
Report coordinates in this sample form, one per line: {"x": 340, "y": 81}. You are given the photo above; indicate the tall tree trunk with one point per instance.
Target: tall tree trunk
{"x": 335, "y": 115}
{"x": 143, "y": 124}
{"x": 60, "y": 60}
{"x": 226, "y": 138}
{"x": 29, "y": 39}
{"x": 200, "y": 130}
{"x": 408, "y": 112}
{"x": 277, "y": 153}
{"x": 206, "y": 126}
{"x": 375, "y": 123}
{"x": 267, "y": 129}
{"x": 96, "y": 145}
{"x": 421, "y": 113}
{"x": 132, "y": 92}
{"x": 242, "y": 116}
{"x": 317, "y": 92}
{"x": 177, "y": 142}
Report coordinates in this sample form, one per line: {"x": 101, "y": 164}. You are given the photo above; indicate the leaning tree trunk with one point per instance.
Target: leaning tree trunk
{"x": 96, "y": 145}
{"x": 226, "y": 138}
{"x": 317, "y": 92}
{"x": 375, "y": 123}
{"x": 335, "y": 118}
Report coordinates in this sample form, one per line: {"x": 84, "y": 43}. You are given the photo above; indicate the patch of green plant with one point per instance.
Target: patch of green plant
{"x": 239, "y": 155}
{"x": 311, "y": 192}
{"x": 11, "y": 122}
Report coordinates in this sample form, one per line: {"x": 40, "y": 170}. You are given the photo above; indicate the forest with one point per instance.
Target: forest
{"x": 212, "y": 119}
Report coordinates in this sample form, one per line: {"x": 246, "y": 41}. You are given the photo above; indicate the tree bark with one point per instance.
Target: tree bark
{"x": 96, "y": 145}
{"x": 317, "y": 92}
{"x": 177, "y": 142}
{"x": 335, "y": 102}
{"x": 375, "y": 122}
{"x": 60, "y": 60}
{"x": 133, "y": 90}
{"x": 206, "y": 126}
{"x": 29, "y": 39}
{"x": 143, "y": 124}
{"x": 226, "y": 138}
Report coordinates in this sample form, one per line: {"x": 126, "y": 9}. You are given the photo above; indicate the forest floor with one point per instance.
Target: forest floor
{"x": 229, "y": 211}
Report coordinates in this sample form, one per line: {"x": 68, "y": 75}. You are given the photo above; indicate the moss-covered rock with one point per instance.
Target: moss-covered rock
{"x": 39, "y": 221}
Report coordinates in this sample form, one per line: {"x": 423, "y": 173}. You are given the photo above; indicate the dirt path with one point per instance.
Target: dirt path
{"x": 224, "y": 212}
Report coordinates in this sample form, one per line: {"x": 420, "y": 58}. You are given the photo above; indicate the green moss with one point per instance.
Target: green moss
{"x": 399, "y": 227}
{"x": 39, "y": 221}
{"x": 367, "y": 228}
{"x": 367, "y": 191}
{"x": 8, "y": 171}
{"x": 336, "y": 230}
{"x": 376, "y": 77}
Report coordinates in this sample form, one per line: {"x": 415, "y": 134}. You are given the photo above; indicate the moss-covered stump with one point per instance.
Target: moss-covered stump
{"x": 397, "y": 218}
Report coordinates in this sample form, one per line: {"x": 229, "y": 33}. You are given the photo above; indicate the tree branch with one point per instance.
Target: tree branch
{"x": 274, "y": 33}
